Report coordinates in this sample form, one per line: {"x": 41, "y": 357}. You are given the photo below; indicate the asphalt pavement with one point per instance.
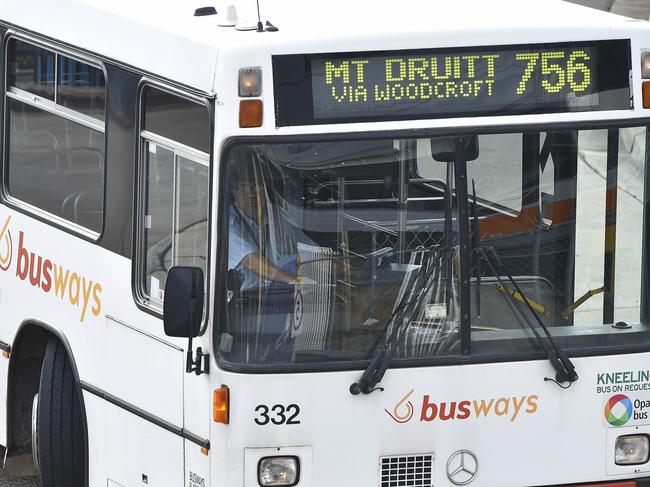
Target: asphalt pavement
{"x": 19, "y": 482}
{"x": 639, "y": 9}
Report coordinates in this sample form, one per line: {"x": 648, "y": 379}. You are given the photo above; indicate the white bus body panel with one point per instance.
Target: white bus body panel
{"x": 254, "y": 54}
{"x": 534, "y": 434}
{"x": 135, "y": 363}
{"x": 166, "y": 39}
{"x": 118, "y": 29}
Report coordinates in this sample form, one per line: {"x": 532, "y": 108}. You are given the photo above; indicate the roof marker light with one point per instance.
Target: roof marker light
{"x": 250, "y": 82}
{"x": 645, "y": 64}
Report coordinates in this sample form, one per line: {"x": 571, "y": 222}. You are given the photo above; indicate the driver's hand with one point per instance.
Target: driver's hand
{"x": 303, "y": 280}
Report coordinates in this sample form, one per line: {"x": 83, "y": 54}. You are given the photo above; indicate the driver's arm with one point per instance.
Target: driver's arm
{"x": 264, "y": 268}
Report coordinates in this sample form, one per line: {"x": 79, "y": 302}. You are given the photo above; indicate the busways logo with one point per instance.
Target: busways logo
{"x": 403, "y": 410}
{"x": 510, "y": 407}
{"x": 5, "y": 246}
{"x": 49, "y": 276}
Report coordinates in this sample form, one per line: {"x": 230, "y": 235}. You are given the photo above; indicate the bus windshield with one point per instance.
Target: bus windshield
{"x": 331, "y": 244}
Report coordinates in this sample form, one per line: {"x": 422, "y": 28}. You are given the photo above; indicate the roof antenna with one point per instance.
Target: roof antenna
{"x": 260, "y": 26}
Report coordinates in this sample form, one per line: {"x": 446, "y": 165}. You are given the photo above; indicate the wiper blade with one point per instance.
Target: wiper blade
{"x": 564, "y": 368}
{"x": 399, "y": 318}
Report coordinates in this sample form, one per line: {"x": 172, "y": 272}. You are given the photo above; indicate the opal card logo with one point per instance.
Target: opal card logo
{"x": 48, "y": 275}
{"x": 618, "y": 410}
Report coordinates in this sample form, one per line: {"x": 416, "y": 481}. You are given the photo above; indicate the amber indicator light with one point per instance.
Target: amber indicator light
{"x": 646, "y": 94}
{"x": 250, "y": 113}
{"x": 204, "y": 451}
{"x": 5, "y": 354}
{"x": 221, "y": 405}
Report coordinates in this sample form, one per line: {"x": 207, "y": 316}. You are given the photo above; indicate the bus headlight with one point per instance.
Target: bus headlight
{"x": 632, "y": 449}
{"x": 278, "y": 471}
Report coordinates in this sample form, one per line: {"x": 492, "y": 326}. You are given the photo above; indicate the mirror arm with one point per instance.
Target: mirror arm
{"x": 199, "y": 363}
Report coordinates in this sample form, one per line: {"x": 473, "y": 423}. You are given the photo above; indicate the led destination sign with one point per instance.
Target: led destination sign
{"x": 400, "y": 85}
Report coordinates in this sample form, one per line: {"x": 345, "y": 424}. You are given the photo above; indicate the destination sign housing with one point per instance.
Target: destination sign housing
{"x": 436, "y": 83}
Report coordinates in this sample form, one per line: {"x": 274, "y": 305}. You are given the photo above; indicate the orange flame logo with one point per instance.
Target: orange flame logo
{"x": 6, "y": 249}
{"x": 403, "y": 410}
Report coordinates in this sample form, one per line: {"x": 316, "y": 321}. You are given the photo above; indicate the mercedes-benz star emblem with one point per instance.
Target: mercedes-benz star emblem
{"x": 462, "y": 467}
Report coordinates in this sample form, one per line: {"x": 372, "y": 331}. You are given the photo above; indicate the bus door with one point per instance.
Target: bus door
{"x": 170, "y": 418}
{"x": 144, "y": 375}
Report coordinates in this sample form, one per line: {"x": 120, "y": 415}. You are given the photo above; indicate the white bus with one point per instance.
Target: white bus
{"x": 356, "y": 244}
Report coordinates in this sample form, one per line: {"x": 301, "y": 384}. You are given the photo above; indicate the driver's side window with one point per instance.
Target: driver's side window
{"x": 174, "y": 189}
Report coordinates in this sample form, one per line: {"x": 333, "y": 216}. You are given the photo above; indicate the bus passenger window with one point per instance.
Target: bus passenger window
{"x": 31, "y": 69}
{"x": 174, "y": 170}
{"x": 80, "y": 87}
{"x": 55, "y": 135}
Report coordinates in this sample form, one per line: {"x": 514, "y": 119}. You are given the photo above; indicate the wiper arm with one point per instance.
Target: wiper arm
{"x": 400, "y": 317}
{"x": 448, "y": 232}
{"x": 564, "y": 368}
{"x": 477, "y": 243}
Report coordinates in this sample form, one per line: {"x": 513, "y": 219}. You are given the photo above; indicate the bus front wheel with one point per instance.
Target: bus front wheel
{"x": 60, "y": 445}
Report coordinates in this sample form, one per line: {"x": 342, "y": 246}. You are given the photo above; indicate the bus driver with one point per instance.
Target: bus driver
{"x": 251, "y": 251}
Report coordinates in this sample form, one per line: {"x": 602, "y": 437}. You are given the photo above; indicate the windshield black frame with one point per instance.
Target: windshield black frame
{"x": 465, "y": 357}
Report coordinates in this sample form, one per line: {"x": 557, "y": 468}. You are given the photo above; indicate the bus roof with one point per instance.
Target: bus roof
{"x": 165, "y": 38}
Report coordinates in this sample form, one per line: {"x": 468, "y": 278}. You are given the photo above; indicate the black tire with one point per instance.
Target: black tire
{"x": 61, "y": 440}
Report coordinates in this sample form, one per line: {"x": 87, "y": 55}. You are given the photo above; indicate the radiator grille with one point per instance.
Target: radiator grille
{"x": 406, "y": 471}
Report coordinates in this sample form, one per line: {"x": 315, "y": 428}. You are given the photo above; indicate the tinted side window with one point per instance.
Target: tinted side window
{"x": 55, "y": 162}
{"x": 80, "y": 87}
{"x": 177, "y": 119}
{"x": 32, "y": 69}
{"x": 55, "y": 165}
{"x": 175, "y": 184}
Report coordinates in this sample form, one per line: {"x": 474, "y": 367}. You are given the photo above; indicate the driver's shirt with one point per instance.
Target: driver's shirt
{"x": 244, "y": 239}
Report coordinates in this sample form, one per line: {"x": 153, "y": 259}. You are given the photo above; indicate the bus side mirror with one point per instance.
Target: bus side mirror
{"x": 183, "y": 306}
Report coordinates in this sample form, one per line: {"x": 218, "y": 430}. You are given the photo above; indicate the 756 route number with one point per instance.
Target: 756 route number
{"x": 277, "y": 414}
{"x": 557, "y": 70}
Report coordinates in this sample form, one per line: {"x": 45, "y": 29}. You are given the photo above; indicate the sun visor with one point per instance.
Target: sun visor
{"x": 355, "y": 157}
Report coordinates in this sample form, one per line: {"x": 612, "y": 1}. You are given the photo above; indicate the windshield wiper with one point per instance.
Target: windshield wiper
{"x": 564, "y": 368}
{"x": 476, "y": 241}
{"x": 381, "y": 360}
{"x": 399, "y": 318}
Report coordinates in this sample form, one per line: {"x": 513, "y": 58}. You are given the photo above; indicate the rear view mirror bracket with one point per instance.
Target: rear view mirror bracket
{"x": 199, "y": 363}
{"x": 183, "y": 313}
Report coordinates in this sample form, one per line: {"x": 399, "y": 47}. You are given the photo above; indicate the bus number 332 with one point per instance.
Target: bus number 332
{"x": 558, "y": 70}
{"x": 277, "y": 414}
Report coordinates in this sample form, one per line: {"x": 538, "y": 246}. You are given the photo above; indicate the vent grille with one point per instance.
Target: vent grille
{"x": 406, "y": 471}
